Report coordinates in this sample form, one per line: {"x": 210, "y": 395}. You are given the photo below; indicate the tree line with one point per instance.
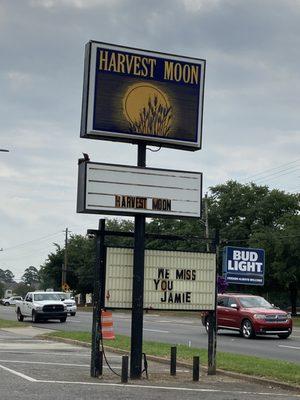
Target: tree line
{"x": 30, "y": 280}
{"x": 242, "y": 215}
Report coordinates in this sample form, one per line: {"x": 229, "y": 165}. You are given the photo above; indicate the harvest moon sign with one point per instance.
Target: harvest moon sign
{"x": 135, "y": 95}
{"x": 126, "y": 190}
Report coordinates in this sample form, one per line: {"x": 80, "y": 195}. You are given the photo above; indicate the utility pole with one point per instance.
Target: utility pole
{"x": 206, "y": 222}
{"x": 65, "y": 264}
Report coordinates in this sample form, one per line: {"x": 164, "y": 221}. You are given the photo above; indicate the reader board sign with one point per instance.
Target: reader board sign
{"x": 125, "y": 190}
{"x": 133, "y": 95}
{"x": 244, "y": 266}
{"x": 173, "y": 280}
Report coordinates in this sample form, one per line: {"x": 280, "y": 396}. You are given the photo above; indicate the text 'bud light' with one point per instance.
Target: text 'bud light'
{"x": 244, "y": 265}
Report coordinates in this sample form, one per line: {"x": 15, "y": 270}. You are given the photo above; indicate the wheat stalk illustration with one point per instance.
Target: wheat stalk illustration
{"x": 154, "y": 119}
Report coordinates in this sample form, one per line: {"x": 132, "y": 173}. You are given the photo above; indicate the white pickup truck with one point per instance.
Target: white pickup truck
{"x": 69, "y": 301}
{"x": 41, "y": 306}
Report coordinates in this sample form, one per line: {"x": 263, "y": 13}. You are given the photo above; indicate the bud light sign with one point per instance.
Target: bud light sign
{"x": 244, "y": 266}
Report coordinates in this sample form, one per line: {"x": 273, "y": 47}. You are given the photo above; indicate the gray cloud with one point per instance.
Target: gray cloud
{"x": 251, "y": 118}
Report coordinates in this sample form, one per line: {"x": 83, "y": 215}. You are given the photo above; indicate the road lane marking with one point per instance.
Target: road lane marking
{"x": 155, "y": 330}
{"x": 54, "y": 353}
{"x": 73, "y": 320}
{"x": 172, "y": 388}
{"x": 289, "y": 347}
{"x": 153, "y": 315}
{"x": 18, "y": 374}
{"x": 53, "y": 363}
{"x": 174, "y": 321}
{"x": 45, "y": 363}
{"x": 76, "y": 365}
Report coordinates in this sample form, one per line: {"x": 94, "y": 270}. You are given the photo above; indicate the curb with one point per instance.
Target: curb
{"x": 252, "y": 379}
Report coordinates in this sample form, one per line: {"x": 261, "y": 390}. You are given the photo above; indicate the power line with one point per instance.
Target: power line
{"x": 271, "y": 169}
{"x": 269, "y": 177}
{"x": 251, "y": 238}
{"x": 31, "y": 241}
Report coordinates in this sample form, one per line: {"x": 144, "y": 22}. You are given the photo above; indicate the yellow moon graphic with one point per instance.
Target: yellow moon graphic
{"x": 137, "y": 98}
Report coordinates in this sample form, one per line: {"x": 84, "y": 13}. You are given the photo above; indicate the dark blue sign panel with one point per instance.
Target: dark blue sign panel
{"x": 136, "y": 95}
{"x": 244, "y": 266}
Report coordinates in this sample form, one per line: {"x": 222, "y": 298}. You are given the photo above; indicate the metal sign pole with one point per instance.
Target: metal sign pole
{"x": 212, "y": 320}
{"x": 98, "y": 296}
{"x": 136, "y": 350}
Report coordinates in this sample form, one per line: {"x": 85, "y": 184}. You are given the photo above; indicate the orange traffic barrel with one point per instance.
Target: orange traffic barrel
{"x": 107, "y": 325}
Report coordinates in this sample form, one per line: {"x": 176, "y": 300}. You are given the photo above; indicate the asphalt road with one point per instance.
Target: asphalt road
{"x": 31, "y": 368}
{"x": 185, "y": 330}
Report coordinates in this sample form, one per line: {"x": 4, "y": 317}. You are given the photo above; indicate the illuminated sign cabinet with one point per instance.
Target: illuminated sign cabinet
{"x": 243, "y": 265}
{"x": 136, "y": 95}
{"x": 125, "y": 190}
{"x": 174, "y": 280}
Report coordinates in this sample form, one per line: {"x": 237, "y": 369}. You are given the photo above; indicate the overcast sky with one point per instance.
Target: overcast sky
{"x": 251, "y": 103}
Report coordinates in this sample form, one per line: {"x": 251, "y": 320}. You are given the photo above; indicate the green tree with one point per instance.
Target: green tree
{"x": 238, "y": 210}
{"x": 282, "y": 245}
{"x": 245, "y": 214}
{"x": 189, "y": 229}
{"x": 22, "y": 288}
{"x": 50, "y": 272}
{"x": 254, "y": 216}
{"x": 2, "y": 290}
{"x": 81, "y": 253}
{"x": 31, "y": 276}
{"x": 81, "y": 256}
{"x": 7, "y": 276}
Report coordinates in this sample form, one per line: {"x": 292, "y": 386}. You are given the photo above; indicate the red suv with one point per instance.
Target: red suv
{"x": 251, "y": 315}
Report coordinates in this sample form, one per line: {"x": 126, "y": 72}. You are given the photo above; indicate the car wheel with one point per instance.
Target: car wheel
{"x": 34, "y": 317}
{"x": 73, "y": 314}
{"x": 247, "y": 330}
{"x": 63, "y": 319}
{"x": 6, "y": 304}
{"x": 20, "y": 316}
{"x": 283, "y": 335}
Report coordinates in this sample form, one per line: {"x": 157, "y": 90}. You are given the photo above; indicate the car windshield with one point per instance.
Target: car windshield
{"x": 254, "y": 302}
{"x": 46, "y": 296}
{"x": 64, "y": 296}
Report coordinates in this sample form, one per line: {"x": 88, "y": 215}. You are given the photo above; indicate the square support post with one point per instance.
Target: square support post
{"x": 98, "y": 296}
{"x": 136, "y": 350}
{"x": 212, "y": 319}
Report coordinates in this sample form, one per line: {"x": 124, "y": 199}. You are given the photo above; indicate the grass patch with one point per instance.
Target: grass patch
{"x": 85, "y": 309}
{"x": 273, "y": 369}
{"x": 11, "y": 324}
{"x": 296, "y": 321}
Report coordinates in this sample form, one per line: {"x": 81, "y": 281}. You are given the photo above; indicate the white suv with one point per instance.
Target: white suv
{"x": 68, "y": 301}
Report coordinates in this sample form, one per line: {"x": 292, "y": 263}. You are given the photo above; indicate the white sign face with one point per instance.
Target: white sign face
{"x": 124, "y": 190}
{"x": 173, "y": 280}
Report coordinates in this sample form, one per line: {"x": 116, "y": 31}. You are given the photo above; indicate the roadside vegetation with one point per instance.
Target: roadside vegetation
{"x": 11, "y": 324}
{"x": 272, "y": 369}
{"x": 243, "y": 215}
{"x": 296, "y": 321}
